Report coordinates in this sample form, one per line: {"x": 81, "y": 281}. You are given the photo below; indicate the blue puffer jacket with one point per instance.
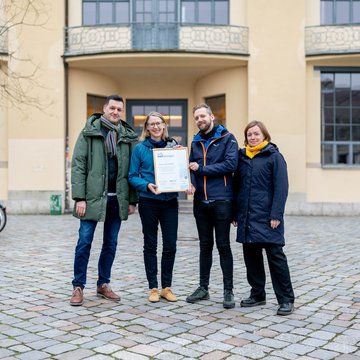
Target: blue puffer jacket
{"x": 217, "y": 158}
{"x": 141, "y": 171}
{"x": 261, "y": 186}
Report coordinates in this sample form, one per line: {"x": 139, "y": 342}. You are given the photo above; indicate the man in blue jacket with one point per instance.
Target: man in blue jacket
{"x": 213, "y": 159}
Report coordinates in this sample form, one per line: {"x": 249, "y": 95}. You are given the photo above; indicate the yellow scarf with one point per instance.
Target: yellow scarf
{"x": 251, "y": 151}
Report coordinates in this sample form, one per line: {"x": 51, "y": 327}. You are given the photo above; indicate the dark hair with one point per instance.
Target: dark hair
{"x": 113, "y": 97}
{"x": 202, "y": 105}
{"x": 261, "y": 126}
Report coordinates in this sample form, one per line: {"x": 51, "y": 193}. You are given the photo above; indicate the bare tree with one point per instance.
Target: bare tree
{"x": 19, "y": 74}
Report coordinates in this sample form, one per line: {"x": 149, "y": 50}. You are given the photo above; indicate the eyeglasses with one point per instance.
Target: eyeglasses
{"x": 157, "y": 124}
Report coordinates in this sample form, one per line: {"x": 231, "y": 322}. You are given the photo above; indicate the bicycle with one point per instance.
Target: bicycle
{"x": 3, "y": 217}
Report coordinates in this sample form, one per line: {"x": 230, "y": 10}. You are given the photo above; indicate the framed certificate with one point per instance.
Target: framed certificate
{"x": 171, "y": 169}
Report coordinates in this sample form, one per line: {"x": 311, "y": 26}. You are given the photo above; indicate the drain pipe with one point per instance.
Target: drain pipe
{"x": 66, "y": 91}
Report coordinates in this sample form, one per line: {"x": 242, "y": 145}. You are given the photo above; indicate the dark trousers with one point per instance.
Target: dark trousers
{"x": 152, "y": 212}
{"x": 110, "y": 238}
{"x": 279, "y": 271}
{"x": 210, "y": 217}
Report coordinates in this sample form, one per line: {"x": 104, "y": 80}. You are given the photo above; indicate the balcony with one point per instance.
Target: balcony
{"x": 333, "y": 39}
{"x": 3, "y": 40}
{"x": 174, "y": 37}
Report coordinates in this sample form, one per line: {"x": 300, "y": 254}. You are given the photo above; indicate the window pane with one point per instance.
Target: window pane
{"x": 355, "y": 133}
{"x": 176, "y": 116}
{"x": 343, "y": 154}
{"x": 327, "y": 89}
{"x": 217, "y": 104}
{"x": 221, "y": 12}
{"x": 342, "y": 115}
{"x": 95, "y": 104}
{"x": 356, "y": 154}
{"x": 188, "y": 12}
{"x": 327, "y": 154}
{"x": 89, "y": 13}
{"x": 356, "y": 11}
{"x": 205, "y": 12}
{"x": 327, "y": 12}
{"x": 342, "y": 133}
{"x": 342, "y": 89}
{"x": 122, "y": 12}
{"x": 355, "y": 115}
{"x": 355, "y": 89}
{"x": 328, "y": 133}
{"x": 105, "y": 13}
{"x": 342, "y": 10}
{"x": 328, "y": 115}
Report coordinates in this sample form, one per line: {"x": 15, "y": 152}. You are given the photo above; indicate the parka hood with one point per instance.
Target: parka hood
{"x": 93, "y": 128}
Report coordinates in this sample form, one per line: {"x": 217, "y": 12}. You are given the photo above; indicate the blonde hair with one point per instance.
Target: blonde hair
{"x": 145, "y": 134}
{"x": 261, "y": 126}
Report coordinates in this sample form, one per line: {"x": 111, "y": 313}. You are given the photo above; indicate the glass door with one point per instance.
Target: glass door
{"x": 155, "y": 25}
{"x": 174, "y": 112}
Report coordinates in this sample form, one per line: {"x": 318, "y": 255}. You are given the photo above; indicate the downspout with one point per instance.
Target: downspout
{"x": 66, "y": 90}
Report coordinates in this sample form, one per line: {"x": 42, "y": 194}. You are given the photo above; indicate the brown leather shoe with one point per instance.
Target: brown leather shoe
{"x": 77, "y": 297}
{"x": 168, "y": 294}
{"x": 154, "y": 295}
{"x": 105, "y": 291}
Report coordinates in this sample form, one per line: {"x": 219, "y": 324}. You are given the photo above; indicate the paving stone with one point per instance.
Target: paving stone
{"x": 42, "y": 324}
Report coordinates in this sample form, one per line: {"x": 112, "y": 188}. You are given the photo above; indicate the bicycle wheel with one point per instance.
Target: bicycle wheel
{"x": 2, "y": 218}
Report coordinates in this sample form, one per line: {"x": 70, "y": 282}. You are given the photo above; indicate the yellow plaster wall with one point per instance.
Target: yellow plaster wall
{"x": 3, "y": 150}
{"x": 232, "y": 83}
{"x": 36, "y": 136}
{"x": 277, "y": 78}
{"x": 36, "y": 164}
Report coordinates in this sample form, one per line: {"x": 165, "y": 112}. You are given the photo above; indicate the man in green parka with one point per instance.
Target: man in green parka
{"x": 101, "y": 192}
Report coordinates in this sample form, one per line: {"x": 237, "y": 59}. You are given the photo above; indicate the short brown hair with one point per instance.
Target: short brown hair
{"x": 203, "y": 105}
{"x": 262, "y": 127}
{"x": 145, "y": 132}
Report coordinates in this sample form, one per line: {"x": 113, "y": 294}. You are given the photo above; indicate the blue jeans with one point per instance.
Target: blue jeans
{"x": 152, "y": 212}
{"x": 108, "y": 250}
{"x": 215, "y": 216}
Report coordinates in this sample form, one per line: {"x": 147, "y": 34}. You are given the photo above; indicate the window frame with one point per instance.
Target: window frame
{"x": 351, "y": 144}
{"x": 97, "y": 12}
{"x": 335, "y": 14}
{"x": 212, "y": 9}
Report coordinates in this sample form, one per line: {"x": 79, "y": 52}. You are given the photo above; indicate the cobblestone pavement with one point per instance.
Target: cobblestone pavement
{"x": 37, "y": 322}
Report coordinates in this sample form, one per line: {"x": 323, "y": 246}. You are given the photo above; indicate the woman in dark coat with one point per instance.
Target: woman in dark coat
{"x": 261, "y": 190}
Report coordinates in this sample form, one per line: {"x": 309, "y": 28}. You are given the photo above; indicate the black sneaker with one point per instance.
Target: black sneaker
{"x": 199, "y": 294}
{"x": 228, "y": 302}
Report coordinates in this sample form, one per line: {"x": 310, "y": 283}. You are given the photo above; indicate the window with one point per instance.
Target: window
{"x": 95, "y": 104}
{"x": 205, "y": 12}
{"x": 101, "y": 12}
{"x": 340, "y": 12}
{"x": 217, "y": 104}
{"x": 340, "y": 118}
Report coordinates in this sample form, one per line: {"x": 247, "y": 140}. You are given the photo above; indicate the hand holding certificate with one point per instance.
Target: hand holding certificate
{"x": 171, "y": 169}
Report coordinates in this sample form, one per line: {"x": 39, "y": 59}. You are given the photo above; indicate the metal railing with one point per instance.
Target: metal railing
{"x": 83, "y": 40}
{"x": 333, "y": 39}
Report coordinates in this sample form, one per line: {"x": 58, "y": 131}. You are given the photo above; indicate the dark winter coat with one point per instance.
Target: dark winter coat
{"x": 217, "y": 158}
{"x": 261, "y": 191}
{"x": 89, "y": 170}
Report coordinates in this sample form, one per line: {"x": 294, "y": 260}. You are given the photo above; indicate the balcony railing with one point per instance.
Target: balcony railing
{"x": 333, "y": 39}
{"x": 83, "y": 40}
{"x": 3, "y": 40}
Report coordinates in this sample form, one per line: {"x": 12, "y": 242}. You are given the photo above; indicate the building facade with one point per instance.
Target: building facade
{"x": 295, "y": 65}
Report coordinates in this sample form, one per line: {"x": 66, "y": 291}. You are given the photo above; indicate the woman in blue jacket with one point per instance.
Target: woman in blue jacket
{"x": 261, "y": 190}
{"x": 155, "y": 207}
